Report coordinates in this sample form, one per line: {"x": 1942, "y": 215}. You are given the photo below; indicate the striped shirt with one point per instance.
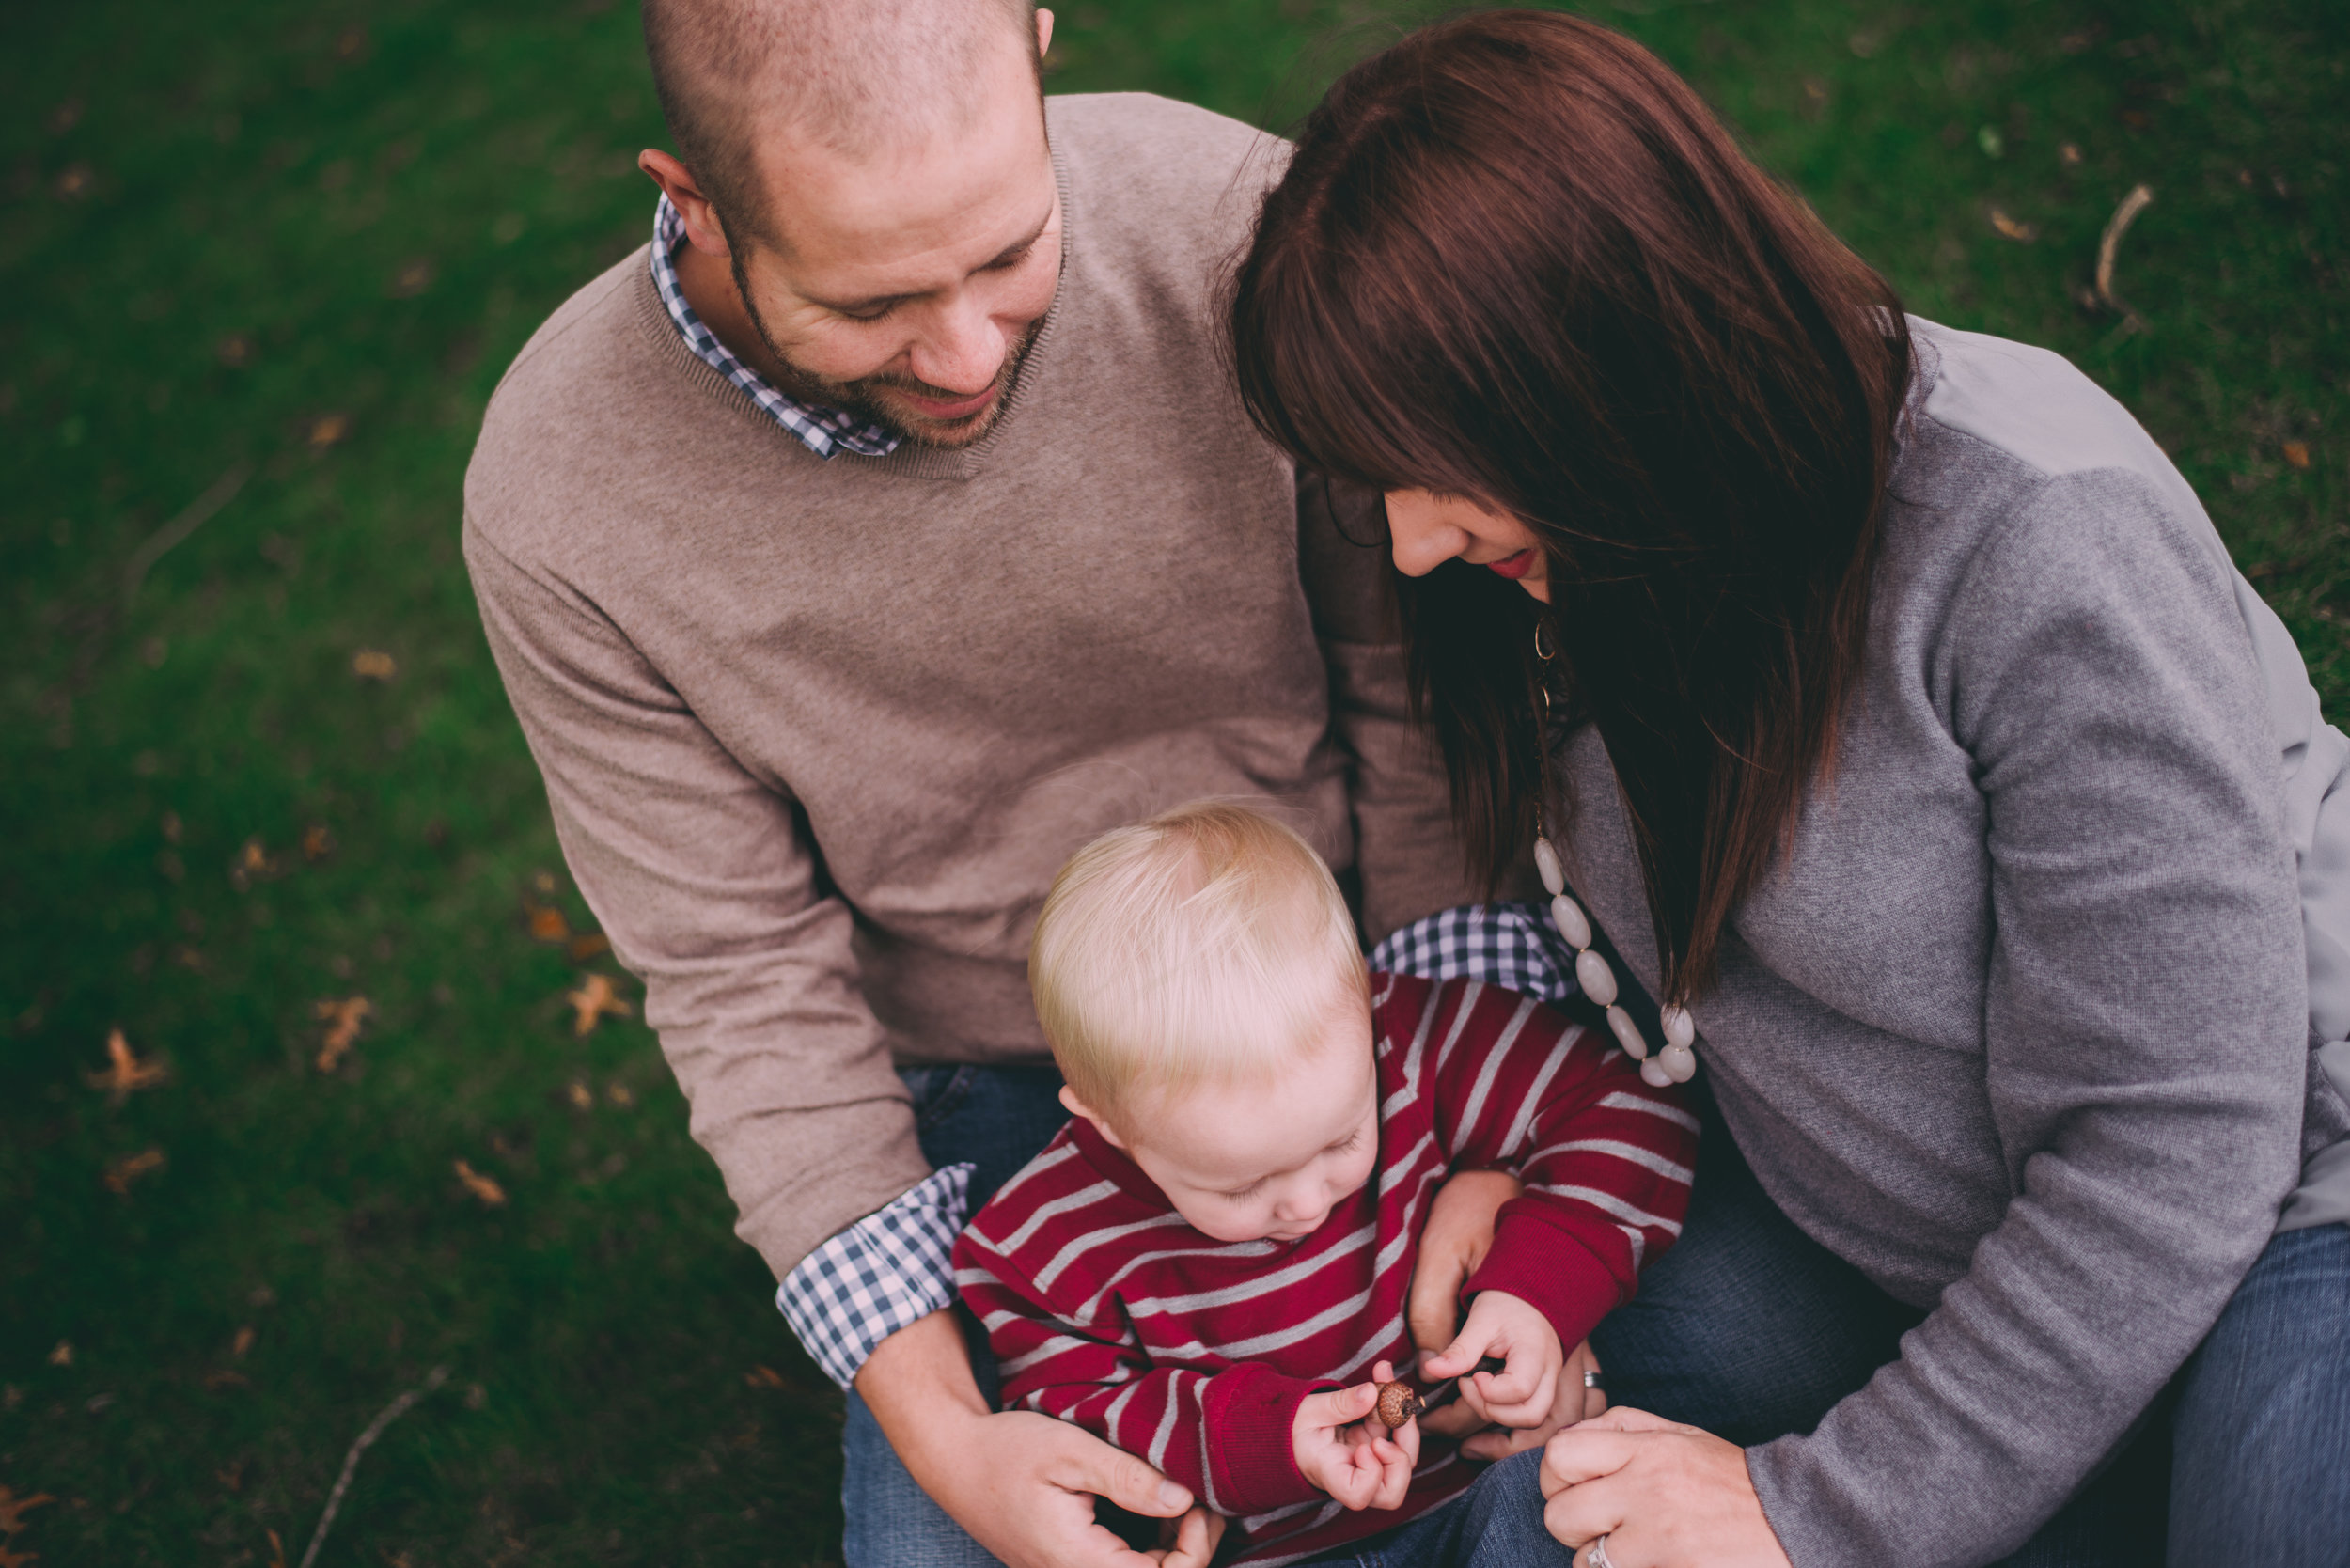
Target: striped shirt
{"x": 1105, "y": 1309}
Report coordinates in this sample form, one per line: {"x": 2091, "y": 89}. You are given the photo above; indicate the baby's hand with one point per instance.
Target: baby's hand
{"x": 1343, "y": 1447}
{"x": 1523, "y": 1392}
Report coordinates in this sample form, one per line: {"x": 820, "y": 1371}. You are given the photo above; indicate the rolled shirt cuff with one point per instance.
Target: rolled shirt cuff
{"x": 886, "y": 1272}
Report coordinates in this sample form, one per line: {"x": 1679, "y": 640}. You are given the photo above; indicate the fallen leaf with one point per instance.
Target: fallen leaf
{"x": 232, "y": 1478}
{"x": 318, "y": 841}
{"x": 254, "y": 863}
{"x": 124, "y": 1071}
{"x": 481, "y": 1186}
{"x": 413, "y": 278}
{"x": 581, "y": 1098}
{"x": 594, "y": 998}
{"x": 373, "y": 664}
{"x": 234, "y": 351}
{"x": 2069, "y": 155}
{"x": 63, "y": 1355}
{"x": 588, "y": 945}
{"x": 764, "y": 1377}
{"x": 2297, "y": 454}
{"x": 547, "y": 923}
{"x": 74, "y": 182}
{"x": 223, "y": 1378}
{"x": 122, "y": 1172}
{"x": 622, "y": 1095}
{"x": 15, "y": 1560}
{"x": 342, "y": 1019}
{"x": 326, "y": 431}
{"x": 2023, "y": 233}
{"x": 242, "y": 1343}
{"x": 277, "y": 1551}
{"x": 13, "y": 1508}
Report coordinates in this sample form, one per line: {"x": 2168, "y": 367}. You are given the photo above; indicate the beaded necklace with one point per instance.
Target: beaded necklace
{"x": 1677, "y": 1063}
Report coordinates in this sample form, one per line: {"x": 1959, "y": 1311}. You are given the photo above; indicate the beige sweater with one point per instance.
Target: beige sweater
{"x": 818, "y": 735}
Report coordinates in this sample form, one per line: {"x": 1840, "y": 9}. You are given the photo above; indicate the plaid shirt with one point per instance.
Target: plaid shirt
{"x": 894, "y": 1266}
{"x": 822, "y": 430}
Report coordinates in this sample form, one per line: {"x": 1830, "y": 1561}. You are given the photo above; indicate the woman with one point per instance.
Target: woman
{"x": 1907, "y": 725}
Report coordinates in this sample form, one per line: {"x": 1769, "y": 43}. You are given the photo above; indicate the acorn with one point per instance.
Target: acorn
{"x": 1399, "y": 1402}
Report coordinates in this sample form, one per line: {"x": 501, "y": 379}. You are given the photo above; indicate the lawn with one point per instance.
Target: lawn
{"x": 267, "y": 813}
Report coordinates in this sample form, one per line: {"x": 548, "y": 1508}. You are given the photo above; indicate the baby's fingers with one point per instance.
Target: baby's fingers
{"x": 1395, "y": 1474}
{"x": 1530, "y": 1410}
{"x": 1339, "y": 1407}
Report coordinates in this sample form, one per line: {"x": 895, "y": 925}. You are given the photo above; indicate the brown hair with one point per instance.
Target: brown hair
{"x": 1515, "y": 258}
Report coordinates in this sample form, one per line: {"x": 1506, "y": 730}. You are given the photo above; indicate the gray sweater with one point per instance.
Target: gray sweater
{"x": 2022, "y": 1028}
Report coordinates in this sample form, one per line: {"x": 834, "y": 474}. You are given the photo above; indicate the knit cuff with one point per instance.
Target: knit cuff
{"x": 1544, "y": 1265}
{"x": 1249, "y": 1437}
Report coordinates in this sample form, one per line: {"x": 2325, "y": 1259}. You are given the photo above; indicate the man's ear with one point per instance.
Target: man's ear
{"x": 1075, "y": 1106}
{"x": 1044, "y": 32}
{"x": 676, "y": 183}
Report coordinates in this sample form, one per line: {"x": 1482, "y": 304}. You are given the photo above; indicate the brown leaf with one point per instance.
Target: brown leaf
{"x": 234, "y": 351}
{"x": 13, "y": 1508}
{"x": 242, "y": 1343}
{"x": 481, "y": 1186}
{"x": 343, "y": 1019}
{"x": 326, "y": 431}
{"x": 15, "y": 1560}
{"x": 547, "y": 923}
{"x": 373, "y": 664}
{"x": 588, "y": 945}
{"x": 223, "y": 1378}
{"x": 2297, "y": 454}
{"x": 764, "y": 1377}
{"x": 2023, "y": 233}
{"x": 594, "y": 998}
{"x": 318, "y": 841}
{"x": 63, "y": 1355}
{"x": 122, "y": 1172}
{"x": 232, "y": 1476}
{"x": 277, "y": 1551}
{"x": 622, "y": 1095}
{"x": 581, "y": 1098}
{"x": 413, "y": 277}
{"x": 124, "y": 1071}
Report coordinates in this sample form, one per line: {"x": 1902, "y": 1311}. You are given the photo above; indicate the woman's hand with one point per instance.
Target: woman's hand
{"x": 1346, "y": 1451}
{"x": 1665, "y": 1496}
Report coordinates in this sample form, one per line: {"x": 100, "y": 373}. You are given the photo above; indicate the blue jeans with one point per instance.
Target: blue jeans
{"x": 1498, "y": 1522}
{"x": 1750, "y": 1330}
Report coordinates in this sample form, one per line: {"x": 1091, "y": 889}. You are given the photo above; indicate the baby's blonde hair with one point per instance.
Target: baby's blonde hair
{"x": 1204, "y": 945}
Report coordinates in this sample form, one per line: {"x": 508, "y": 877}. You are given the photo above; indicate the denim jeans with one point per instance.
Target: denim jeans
{"x": 1750, "y": 1330}
{"x": 1498, "y": 1522}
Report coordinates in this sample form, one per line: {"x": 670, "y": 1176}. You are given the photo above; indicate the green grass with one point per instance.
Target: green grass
{"x": 229, "y": 233}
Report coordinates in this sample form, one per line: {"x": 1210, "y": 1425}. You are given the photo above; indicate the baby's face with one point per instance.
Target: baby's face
{"x": 1268, "y": 1160}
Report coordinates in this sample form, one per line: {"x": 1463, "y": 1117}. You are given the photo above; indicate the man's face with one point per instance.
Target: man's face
{"x": 906, "y": 285}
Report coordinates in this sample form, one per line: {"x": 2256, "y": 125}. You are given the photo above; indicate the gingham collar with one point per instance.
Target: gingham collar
{"x": 824, "y": 431}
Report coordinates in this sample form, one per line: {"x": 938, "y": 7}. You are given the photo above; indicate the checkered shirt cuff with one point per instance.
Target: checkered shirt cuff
{"x": 822, "y": 430}
{"x": 1511, "y": 945}
{"x": 889, "y": 1270}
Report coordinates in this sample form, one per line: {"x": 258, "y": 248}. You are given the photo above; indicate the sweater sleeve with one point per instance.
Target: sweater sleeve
{"x": 705, "y": 880}
{"x": 1407, "y": 854}
{"x": 2144, "y": 1023}
{"x": 1605, "y": 1158}
{"x": 1225, "y": 1434}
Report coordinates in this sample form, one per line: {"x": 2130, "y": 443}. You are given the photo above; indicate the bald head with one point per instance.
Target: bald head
{"x": 857, "y": 77}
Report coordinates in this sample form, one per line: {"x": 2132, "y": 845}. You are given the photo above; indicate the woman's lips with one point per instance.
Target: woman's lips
{"x": 1515, "y": 567}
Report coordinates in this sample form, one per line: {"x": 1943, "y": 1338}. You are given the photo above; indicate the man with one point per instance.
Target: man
{"x": 850, "y": 559}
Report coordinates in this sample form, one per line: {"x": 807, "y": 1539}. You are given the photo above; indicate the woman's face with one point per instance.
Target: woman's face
{"x": 1430, "y": 529}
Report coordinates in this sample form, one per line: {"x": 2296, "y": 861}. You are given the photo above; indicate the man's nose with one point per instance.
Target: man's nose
{"x": 964, "y": 348}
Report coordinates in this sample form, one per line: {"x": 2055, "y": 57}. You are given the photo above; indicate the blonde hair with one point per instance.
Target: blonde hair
{"x": 1204, "y": 945}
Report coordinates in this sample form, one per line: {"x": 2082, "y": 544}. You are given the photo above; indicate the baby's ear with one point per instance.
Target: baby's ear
{"x": 1101, "y": 1124}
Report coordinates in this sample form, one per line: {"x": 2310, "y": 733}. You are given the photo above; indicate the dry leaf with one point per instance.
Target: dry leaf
{"x": 373, "y": 664}
{"x": 15, "y": 1560}
{"x": 413, "y": 278}
{"x": 2069, "y": 155}
{"x": 588, "y": 945}
{"x": 232, "y": 1478}
{"x": 63, "y": 1355}
{"x": 481, "y": 1186}
{"x": 234, "y": 351}
{"x": 547, "y": 923}
{"x": 592, "y": 1001}
{"x": 254, "y": 863}
{"x": 318, "y": 841}
{"x": 119, "y": 1175}
{"x": 764, "y": 1377}
{"x": 277, "y": 1551}
{"x": 2022, "y": 232}
{"x": 622, "y": 1095}
{"x": 124, "y": 1071}
{"x": 581, "y": 1098}
{"x": 223, "y": 1378}
{"x": 342, "y": 1019}
{"x": 2297, "y": 454}
{"x": 242, "y": 1343}
{"x": 12, "y": 1508}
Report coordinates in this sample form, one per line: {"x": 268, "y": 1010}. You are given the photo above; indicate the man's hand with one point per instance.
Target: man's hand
{"x": 1526, "y": 1390}
{"x": 1665, "y": 1496}
{"x": 1575, "y": 1403}
{"x": 1452, "y": 1243}
{"x": 1345, "y": 1450}
{"x": 1022, "y": 1483}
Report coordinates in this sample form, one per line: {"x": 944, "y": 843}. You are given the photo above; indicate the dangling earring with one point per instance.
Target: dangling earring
{"x": 1677, "y": 1063}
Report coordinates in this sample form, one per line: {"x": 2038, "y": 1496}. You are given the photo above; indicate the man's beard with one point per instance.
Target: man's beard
{"x": 861, "y": 397}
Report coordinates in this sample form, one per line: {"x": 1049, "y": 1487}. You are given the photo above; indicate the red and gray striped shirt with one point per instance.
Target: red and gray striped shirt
{"x": 1105, "y": 1309}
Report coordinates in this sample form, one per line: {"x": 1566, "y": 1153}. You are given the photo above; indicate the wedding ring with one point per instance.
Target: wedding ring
{"x": 1594, "y": 1380}
{"x": 1599, "y": 1548}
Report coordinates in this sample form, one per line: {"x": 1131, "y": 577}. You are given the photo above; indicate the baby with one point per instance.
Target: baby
{"x": 1208, "y": 1265}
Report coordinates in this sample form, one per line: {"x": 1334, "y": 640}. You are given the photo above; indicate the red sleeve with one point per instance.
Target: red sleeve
{"x": 1604, "y": 1156}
